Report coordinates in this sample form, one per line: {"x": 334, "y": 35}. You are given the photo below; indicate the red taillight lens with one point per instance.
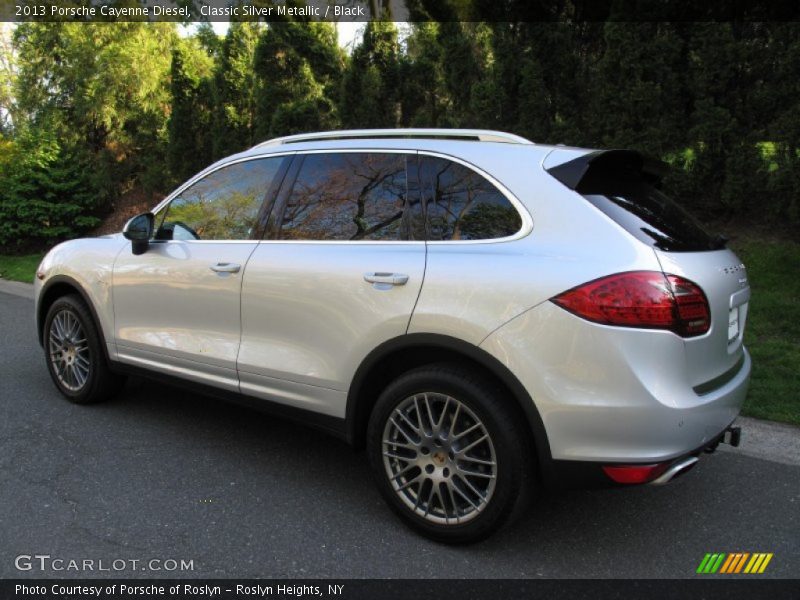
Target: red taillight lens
{"x": 634, "y": 473}
{"x": 647, "y": 299}
{"x": 694, "y": 315}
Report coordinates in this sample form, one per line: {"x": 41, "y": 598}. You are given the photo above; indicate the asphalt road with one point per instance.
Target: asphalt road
{"x": 163, "y": 474}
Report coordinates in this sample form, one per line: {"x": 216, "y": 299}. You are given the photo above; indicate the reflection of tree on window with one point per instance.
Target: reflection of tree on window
{"x": 489, "y": 221}
{"x": 223, "y": 205}
{"x": 462, "y": 205}
{"x": 229, "y": 217}
{"x": 348, "y": 196}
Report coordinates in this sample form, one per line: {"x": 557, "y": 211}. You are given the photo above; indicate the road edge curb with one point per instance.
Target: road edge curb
{"x": 17, "y": 288}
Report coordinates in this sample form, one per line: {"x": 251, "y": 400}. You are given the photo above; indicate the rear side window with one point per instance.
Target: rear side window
{"x": 645, "y": 211}
{"x": 462, "y": 205}
{"x": 347, "y": 196}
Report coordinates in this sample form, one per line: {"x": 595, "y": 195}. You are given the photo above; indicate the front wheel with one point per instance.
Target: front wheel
{"x": 448, "y": 454}
{"x": 74, "y": 353}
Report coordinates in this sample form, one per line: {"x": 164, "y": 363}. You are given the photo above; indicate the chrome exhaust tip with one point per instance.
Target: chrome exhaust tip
{"x": 675, "y": 470}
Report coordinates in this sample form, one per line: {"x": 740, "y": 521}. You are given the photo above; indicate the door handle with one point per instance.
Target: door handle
{"x": 225, "y": 268}
{"x": 386, "y": 278}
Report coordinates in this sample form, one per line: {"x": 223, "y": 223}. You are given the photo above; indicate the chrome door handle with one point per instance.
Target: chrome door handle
{"x": 225, "y": 268}
{"x": 386, "y": 278}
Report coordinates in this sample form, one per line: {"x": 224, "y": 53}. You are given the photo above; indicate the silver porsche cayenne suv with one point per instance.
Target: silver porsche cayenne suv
{"x": 486, "y": 316}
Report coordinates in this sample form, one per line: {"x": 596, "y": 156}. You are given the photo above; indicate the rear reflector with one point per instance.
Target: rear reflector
{"x": 635, "y": 473}
{"x": 645, "y": 299}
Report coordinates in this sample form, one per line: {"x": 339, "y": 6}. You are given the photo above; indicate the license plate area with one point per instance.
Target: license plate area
{"x": 733, "y": 324}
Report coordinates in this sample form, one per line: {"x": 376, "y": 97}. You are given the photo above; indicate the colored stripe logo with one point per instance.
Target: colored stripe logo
{"x": 735, "y": 562}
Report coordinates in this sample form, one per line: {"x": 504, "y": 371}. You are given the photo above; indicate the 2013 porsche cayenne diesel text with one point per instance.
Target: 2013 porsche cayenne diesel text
{"x": 485, "y": 315}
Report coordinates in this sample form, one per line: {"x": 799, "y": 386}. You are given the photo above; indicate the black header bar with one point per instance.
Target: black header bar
{"x": 572, "y": 11}
{"x": 744, "y": 587}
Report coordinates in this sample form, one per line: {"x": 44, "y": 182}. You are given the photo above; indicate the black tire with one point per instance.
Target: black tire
{"x": 100, "y": 382}
{"x": 508, "y": 439}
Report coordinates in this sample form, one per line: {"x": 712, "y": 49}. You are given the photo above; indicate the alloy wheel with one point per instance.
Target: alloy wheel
{"x": 439, "y": 458}
{"x": 69, "y": 350}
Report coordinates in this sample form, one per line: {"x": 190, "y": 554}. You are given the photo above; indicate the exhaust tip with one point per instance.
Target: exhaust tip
{"x": 675, "y": 470}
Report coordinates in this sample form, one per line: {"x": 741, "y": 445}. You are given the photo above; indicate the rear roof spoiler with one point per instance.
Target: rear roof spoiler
{"x": 572, "y": 172}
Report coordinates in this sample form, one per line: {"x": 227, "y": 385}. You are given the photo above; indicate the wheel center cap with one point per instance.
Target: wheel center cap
{"x": 439, "y": 458}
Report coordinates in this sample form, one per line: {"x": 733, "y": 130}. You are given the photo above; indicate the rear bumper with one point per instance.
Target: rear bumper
{"x": 612, "y": 395}
{"x": 566, "y": 474}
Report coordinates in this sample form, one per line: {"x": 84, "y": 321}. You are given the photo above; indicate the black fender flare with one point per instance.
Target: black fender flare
{"x": 355, "y": 401}
{"x": 66, "y": 280}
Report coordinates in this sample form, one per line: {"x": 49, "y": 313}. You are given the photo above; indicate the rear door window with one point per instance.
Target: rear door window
{"x": 645, "y": 212}
{"x": 460, "y": 204}
{"x": 347, "y": 196}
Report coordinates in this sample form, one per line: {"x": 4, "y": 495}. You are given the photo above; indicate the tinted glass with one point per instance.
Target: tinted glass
{"x": 645, "y": 211}
{"x": 462, "y": 205}
{"x": 348, "y": 196}
{"x": 223, "y": 205}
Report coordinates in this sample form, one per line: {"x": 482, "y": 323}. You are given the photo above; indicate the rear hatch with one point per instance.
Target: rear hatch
{"x": 625, "y": 187}
{"x": 716, "y": 357}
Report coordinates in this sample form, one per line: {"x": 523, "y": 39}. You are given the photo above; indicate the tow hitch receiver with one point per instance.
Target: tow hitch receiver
{"x": 732, "y": 436}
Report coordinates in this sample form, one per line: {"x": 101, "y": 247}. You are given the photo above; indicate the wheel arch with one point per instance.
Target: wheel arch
{"x": 396, "y": 356}
{"x": 57, "y": 287}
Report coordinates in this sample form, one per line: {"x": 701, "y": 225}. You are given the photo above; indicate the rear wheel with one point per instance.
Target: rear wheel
{"x": 75, "y": 358}
{"x": 448, "y": 454}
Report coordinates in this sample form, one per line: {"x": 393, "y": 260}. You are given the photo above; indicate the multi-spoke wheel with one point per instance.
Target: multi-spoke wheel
{"x": 69, "y": 350}
{"x": 439, "y": 458}
{"x": 448, "y": 453}
{"x": 74, "y": 353}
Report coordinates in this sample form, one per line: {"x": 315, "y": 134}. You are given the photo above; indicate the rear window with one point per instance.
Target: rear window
{"x": 645, "y": 211}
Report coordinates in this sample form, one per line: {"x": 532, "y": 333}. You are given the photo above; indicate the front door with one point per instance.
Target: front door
{"x": 177, "y": 306}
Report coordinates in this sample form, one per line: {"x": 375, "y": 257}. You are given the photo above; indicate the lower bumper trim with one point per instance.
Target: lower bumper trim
{"x": 570, "y": 474}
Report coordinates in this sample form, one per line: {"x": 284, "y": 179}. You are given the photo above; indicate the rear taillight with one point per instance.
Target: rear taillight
{"x": 647, "y": 299}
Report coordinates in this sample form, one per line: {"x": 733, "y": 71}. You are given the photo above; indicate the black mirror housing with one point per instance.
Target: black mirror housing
{"x": 139, "y": 230}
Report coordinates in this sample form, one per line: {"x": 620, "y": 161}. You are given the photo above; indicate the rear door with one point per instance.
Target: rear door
{"x": 683, "y": 248}
{"x": 337, "y": 274}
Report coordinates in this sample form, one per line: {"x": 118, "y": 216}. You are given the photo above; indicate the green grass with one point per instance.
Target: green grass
{"x": 773, "y": 328}
{"x": 773, "y": 322}
{"x": 19, "y": 268}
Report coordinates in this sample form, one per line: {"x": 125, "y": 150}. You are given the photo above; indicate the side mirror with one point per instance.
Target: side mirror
{"x": 139, "y": 230}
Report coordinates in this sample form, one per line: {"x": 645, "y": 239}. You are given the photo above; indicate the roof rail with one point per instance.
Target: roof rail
{"x": 479, "y": 135}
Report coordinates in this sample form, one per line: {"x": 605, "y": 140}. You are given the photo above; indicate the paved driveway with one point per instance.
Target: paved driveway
{"x": 163, "y": 474}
